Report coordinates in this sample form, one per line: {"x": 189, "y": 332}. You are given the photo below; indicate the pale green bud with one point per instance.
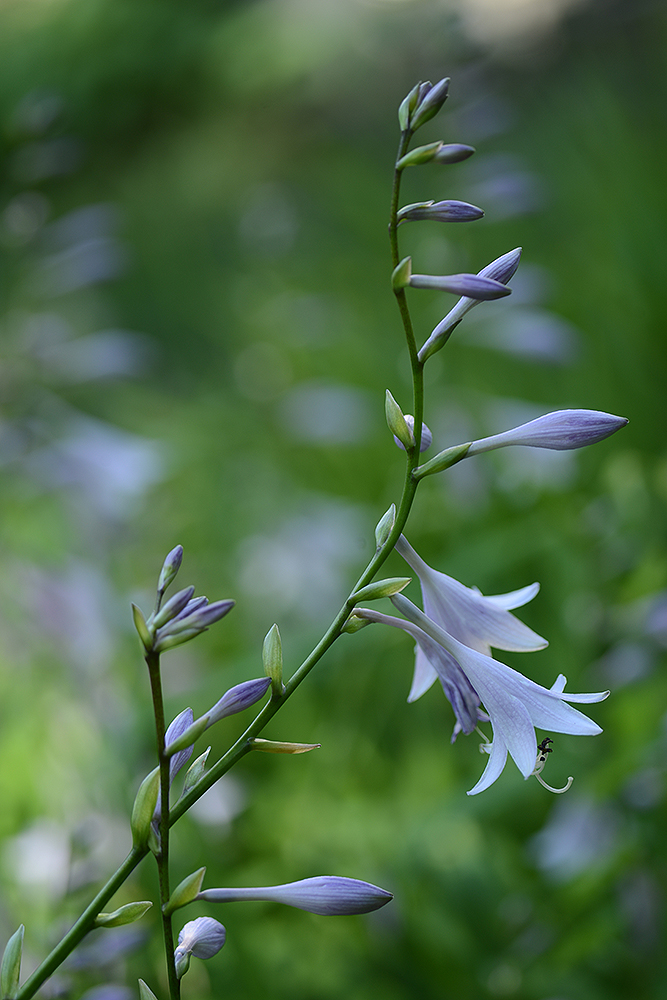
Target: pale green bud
{"x": 396, "y": 422}
{"x": 442, "y": 461}
{"x": 401, "y": 274}
{"x": 142, "y": 628}
{"x": 381, "y": 588}
{"x": 419, "y": 155}
{"x": 195, "y": 771}
{"x": 170, "y": 568}
{"x": 272, "y": 656}
{"x": 354, "y": 624}
{"x": 408, "y": 105}
{"x": 144, "y": 807}
{"x": 123, "y": 915}
{"x": 10, "y": 970}
{"x": 144, "y": 992}
{"x": 384, "y": 526}
{"x": 185, "y": 892}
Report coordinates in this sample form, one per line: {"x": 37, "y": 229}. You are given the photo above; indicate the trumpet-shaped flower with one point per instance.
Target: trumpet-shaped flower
{"x": 477, "y": 621}
{"x": 514, "y": 704}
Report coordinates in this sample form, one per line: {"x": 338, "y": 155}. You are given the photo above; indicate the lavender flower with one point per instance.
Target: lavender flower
{"x": 327, "y": 895}
{"x": 238, "y": 698}
{"x": 562, "y": 430}
{"x": 479, "y": 622}
{"x": 502, "y": 269}
{"x": 477, "y": 287}
{"x": 515, "y": 705}
{"x": 203, "y": 938}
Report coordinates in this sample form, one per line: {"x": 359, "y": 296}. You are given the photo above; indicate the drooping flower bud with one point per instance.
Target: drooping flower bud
{"x": 203, "y": 938}
{"x": 327, "y": 895}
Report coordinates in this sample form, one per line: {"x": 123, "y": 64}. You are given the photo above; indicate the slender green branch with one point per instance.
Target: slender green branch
{"x": 153, "y": 662}
{"x": 169, "y": 816}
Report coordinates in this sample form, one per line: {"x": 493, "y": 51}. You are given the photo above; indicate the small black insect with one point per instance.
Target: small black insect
{"x": 543, "y": 746}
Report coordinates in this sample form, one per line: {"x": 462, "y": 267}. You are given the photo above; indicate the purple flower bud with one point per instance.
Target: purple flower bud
{"x": 173, "y": 607}
{"x": 474, "y": 286}
{"x": 327, "y": 895}
{"x": 561, "y": 430}
{"x": 429, "y": 105}
{"x": 427, "y": 437}
{"x": 502, "y": 269}
{"x": 182, "y": 722}
{"x": 170, "y": 568}
{"x": 238, "y": 698}
{"x": 440, "y": 211}
{"x": 203, "y": 938}
{"x": 453, "y": 152}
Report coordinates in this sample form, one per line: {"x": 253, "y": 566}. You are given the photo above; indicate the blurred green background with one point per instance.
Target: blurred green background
{"x": 196, "y": 336}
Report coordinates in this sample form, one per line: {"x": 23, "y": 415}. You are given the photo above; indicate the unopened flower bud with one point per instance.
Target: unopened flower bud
{"x": 400, "y": 277}
{"x": 562, "y": 430}
{"x": 10, "y": 970}
{"x": 127, "y": 914}
{"x": 381, "y": 588}
{"x": 173, "y": 607}
{"x": 502, "y": 269}
{"x": 145, "y": 992}
{"x": 440, "y": 211}
{"x": 238, "y": 698}
{"x": 354, "y": 624}
{"x": 185, "y": 892}
{"x": 473, "y": 286}
{"x": 170, "y": 568}
{"x": 442, "y": 461}
{"x": 426, "y": 438}
{"x": 408, "y": 105}
{"x": 397, "y": 423}
{"x": 430, "y": 104}
{"x": 327, "y": 895}
{"x": 453, "y": 152}
{"x": 384, "y": 526}
{"x": 272, "y": 657}
{"x": 144, "y": 808}
{"x": 195, "y": 771}
{"x": 419, "y": 155}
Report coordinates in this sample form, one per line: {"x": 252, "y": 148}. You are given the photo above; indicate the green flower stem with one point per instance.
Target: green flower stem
{"x": 153, "y": 663}
{"x": 169, "y": 816}
{"x": 83, "y": 925}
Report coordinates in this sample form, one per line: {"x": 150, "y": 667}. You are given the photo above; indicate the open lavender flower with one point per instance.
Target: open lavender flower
{"x": 477, "y": 621}
{"x": 514, "y": 704}
{"x": 327, "y": 895}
